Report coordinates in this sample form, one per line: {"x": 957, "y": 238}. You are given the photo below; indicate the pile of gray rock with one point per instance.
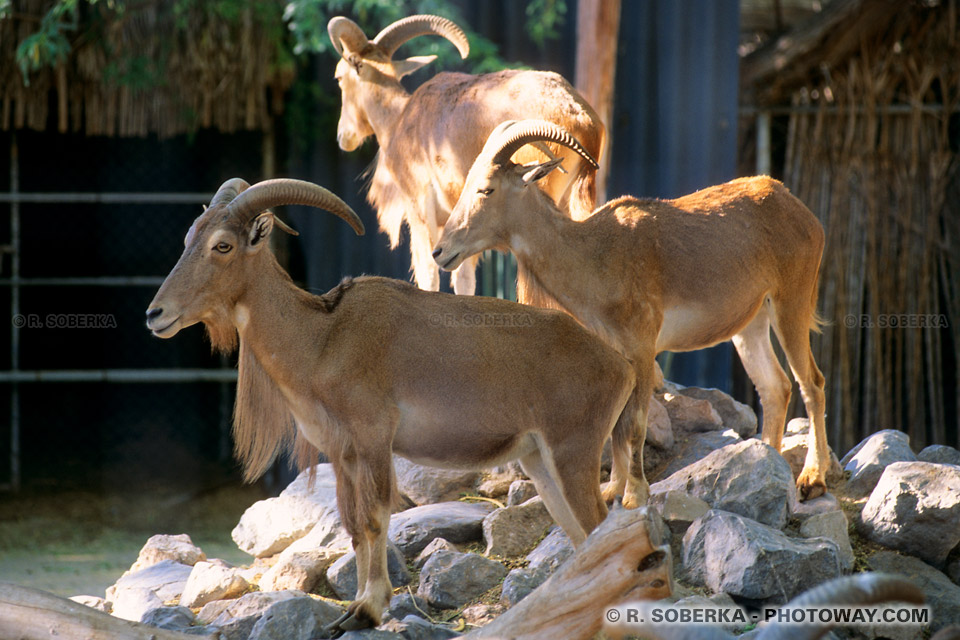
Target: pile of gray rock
{"x": 738, "y": 535}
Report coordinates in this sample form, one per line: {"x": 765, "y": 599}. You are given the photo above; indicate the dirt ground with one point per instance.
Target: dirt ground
{"x": 79, "y": 543}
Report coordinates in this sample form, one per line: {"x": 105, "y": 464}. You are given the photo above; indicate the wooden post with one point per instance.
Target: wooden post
{"x": 598, "y": 26}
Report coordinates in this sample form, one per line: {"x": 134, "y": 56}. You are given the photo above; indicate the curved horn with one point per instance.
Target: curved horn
{"x": 345, "y": 31}
{"x": 400, "y": 31}
{"x": 273, "y": 193}
{"x": 509, "y": 137}
{"x": 859, "y": 589}
{"x": 228, "y": 191}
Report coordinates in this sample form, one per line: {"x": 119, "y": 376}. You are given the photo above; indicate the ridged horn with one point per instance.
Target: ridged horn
{"x": 228, "y": 191}
{"x": 344, "y": 30}
{"x": 510, "y": 136}
{"x": 406, "y": 29}
{"x": 281, "y": 191}
{"x": 860, "y": 589}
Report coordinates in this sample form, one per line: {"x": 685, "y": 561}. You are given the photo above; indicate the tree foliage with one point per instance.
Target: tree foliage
{"x": 297, "y": 29}
{"x": 305, "y": 20}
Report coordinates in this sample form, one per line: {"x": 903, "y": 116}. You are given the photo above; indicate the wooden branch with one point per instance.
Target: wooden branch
{"x": 623, "y": 558}
{"x": 31, "y": 614}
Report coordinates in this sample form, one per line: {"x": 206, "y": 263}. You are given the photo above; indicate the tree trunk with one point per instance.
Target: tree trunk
{"x": 624, "y": 558}
{"x": 598, "y": 26}
{"x": 30, "y": 614}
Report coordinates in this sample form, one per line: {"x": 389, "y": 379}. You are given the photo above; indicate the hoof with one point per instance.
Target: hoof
{"x": 637, "y": 494}
{"x": 634, "y": 500}
{"x": 809, "y": 489}
{"x": 352, "y": 620}
{"x": 610, "y": 491}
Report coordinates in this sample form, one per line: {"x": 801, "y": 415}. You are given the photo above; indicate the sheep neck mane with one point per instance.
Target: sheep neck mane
{"x": 551, "y": 249}
{"x": 263, "y": 425}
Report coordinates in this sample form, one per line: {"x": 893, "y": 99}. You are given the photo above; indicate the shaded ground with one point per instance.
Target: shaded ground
{"x": 80, "y": 543}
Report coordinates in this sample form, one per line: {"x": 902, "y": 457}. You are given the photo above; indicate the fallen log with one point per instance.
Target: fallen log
{"x": 624, "y": 558}
{"x": 31, "y": 614}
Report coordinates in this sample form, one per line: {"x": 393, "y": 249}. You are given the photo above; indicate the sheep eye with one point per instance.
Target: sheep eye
{"x": 485, "y": 192}
{"x": 223, "y": 247}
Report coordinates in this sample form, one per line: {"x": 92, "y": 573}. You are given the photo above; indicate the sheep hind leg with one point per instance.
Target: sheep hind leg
{"x": 578, "y": 472}
{"x": 620, "y": 469}
{"x": 546, "y": 479}
{"x": 792, "y": 326}
{"x": 637, "y": 491}
{"x": 633, "y": 421}
{"x": 760, "y": 362}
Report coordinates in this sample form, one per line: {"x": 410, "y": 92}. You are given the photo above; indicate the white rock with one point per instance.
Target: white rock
{"x": 748, "y": 478}
{"x": 823, "y": 504}
{"x": 165, "y": 580}
{"x": 691, "y": 414}
{"x": 870, "y": 457}
{"x": 659, "y": 425}
{"x": 832, "y": 525}
{"x": 520, "y": 491}
{"x": 295, "y": 619}
{"x": 93, "y": 602}
{"x": 327, "y": 535}
{"x": 497, "y": 482}
{"x": 173, "y": 618}
{"x": 428, "y": 485}
{"x": 437, "y": 544}
{"x": 678, "y": 509}
{"x": 300, "y": 570}
{"x": 179, "y": 548}
{"x": 689, "y": 449}
{"x": 734, "y": 415}
{"x": 236, "y": 618}
{"x": 939, "y": 453}
{"x": 915, "y": 508}
{"x": 729, "y": 553}
{"x": 209, "y": 582}
{"x": 131, "y": 604}
{"x": 512, "y": 531}
{"x": 458, "y": 522}
{"x": 270, "y": 526}
{"x": 450, "y": 579}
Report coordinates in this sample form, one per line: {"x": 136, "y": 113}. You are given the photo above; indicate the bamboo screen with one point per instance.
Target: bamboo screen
{"x": 150, "y": 69}
{"x": 872, "y": 150}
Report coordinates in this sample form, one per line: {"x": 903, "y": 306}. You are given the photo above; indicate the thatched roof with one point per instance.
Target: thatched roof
{"x": 149, "y": 70}
{"x": 817, "y": 42}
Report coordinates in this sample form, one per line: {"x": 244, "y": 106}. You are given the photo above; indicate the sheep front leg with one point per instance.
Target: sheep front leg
{"x": 364, "y": 495}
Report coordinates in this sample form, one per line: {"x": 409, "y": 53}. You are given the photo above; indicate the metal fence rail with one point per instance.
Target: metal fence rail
{"x": 14, "y": 376}
{"x": 121, "y": 375}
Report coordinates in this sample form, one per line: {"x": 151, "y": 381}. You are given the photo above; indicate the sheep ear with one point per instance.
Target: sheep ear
{"x": 260, "y": 230}
{"x": 538, "y": 171}
{"x": 408, "y": 66}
